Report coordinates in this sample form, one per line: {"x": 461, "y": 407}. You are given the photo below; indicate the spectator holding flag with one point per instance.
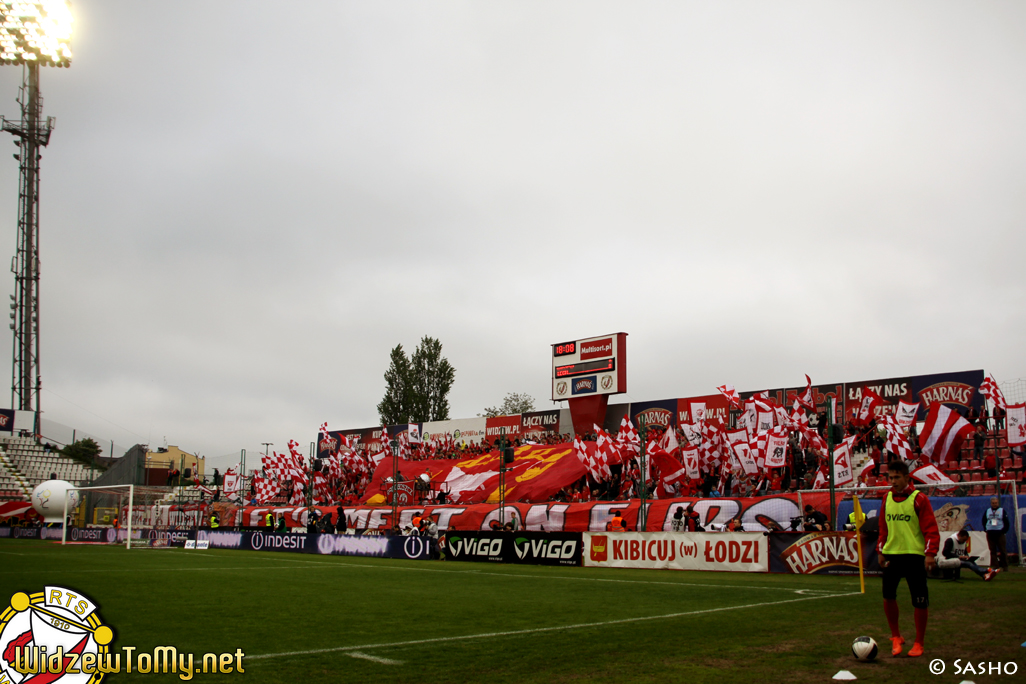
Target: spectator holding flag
{"x": 907, "y": 547}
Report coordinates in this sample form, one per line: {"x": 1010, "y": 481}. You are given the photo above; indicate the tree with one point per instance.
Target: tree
{"x": 84, "y": 450}
{"x": 395, "y": 406}
{"x": 417, "y": 388}
{"x": 431, "y": 378}
{"x": 512, "y": 405}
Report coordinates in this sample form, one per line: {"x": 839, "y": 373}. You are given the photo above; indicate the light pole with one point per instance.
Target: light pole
{"x": 395, "y": 480}
{"x": 34, "y": 34}
{"x": 503, "y": 444}
{"x": 643, "y": 450}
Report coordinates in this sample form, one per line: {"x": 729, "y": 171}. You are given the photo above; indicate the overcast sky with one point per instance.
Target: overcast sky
{"x": 245, "y": 205}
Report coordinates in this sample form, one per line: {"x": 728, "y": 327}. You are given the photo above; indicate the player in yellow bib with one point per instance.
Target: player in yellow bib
{"x": 907, "y": 548}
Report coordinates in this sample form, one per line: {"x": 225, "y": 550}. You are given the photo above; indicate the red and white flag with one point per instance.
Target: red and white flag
{"x": 943, "y": 434}
{"x": 776, "y": 448}
{"x": 751, "y": 417}
{"x": 1015, "y": 424}
{"x": 906, "y": 413}
{"x": 731, "y": 394}
{"x": 990, "y": 389}
{"x": 805, "y": 400}
{"x": 737, "y": 437}
{"x": 744, "y": 457}
{"x": 668, "y": 442}
{"x": 266, "y": 489}
{"x": 232, "y": 482}
{"x": 929, "y": 474}
{"x": 298, "y": 494}
{"x": 821, "y": 480}
{"x": 842, "y": 465}
{"x": 869, "y": 464}
{"x": 628, "y": 437}
{"x": 692, "y": 433}
{"x": 896, "y": 442}
{"x": 867, "y": 409}
{"x": 321, "y": 491}
{"x": 690, "y": 458}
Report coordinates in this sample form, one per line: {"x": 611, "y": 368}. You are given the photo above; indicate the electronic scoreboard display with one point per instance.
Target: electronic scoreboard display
{"x": 595, "y": 365}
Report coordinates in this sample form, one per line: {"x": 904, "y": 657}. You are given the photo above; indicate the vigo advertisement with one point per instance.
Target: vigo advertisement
{"x": 722, "y": 551}
{"x": 526, "y": 548}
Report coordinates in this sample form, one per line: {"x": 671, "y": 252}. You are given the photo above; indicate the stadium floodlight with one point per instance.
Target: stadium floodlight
{"x": 36, "y": 33}
{"x": 32, "y": 34}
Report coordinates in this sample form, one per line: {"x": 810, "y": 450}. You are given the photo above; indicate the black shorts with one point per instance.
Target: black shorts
{"x": 913, "y": 568}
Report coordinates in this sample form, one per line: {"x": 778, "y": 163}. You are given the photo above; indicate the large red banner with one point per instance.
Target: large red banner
{"x": 537, "y": 473}
{"x": 757, "y": 514}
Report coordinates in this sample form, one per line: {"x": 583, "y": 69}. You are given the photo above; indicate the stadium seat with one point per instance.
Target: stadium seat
{"x": 988, "y": 490}
{"x": 977, "y": 476}
{"x": 1006, "y": 463}
{"x": 1017, "y": 461}
{"x": 974, "y": 464}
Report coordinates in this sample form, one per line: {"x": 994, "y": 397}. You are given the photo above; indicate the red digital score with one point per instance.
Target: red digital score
{"x": 564, "y": 349}
{"x": 587, "y": 367}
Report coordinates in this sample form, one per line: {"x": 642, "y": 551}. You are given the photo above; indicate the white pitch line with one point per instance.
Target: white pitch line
{"x": 376, "y": 659}
{"x": 555, "y": 577}
{"x": 540, "y": 630}
{"x": 450, "y": 572}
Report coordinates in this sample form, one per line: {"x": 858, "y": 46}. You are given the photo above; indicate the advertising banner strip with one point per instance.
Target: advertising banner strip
{"x": 525, "y": 548}
{"x": 822, "y": 553}
{"x": 758, "y": 514}
{"x": 415, "y": 548}
{"x": 722, "y": 551}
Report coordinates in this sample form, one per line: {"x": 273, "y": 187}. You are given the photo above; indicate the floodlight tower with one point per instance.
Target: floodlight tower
{"x": 32, "y": 34}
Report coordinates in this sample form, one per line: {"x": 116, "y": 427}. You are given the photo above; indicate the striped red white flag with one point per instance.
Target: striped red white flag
{"x": 943, "y": 434}
{"x": 990, "y": 389}
{"x": 731, "y": 394}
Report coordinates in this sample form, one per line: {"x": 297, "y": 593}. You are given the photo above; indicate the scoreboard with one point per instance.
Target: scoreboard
{"x": 596, "y": 365}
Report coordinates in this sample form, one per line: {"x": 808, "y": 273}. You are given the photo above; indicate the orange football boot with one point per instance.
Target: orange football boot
{"x": 896, "y": 645}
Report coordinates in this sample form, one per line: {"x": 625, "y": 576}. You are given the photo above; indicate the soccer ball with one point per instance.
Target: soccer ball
{"x": 864, "y": 648}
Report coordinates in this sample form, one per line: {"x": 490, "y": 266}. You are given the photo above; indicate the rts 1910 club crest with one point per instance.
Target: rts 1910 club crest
{"x": 54, "y": 636}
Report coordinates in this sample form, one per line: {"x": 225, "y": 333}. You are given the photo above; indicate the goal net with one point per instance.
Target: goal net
{"x": 116, "y": 514}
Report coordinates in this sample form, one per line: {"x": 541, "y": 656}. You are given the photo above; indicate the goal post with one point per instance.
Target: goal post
{"x": 122, "y": 510}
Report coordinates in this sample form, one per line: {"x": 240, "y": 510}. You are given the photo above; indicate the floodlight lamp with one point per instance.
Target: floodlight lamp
{"x": 36, "y": 32}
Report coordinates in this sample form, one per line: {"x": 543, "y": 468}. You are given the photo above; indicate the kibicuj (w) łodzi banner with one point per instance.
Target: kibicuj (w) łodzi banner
{"x": 723, "y": 551}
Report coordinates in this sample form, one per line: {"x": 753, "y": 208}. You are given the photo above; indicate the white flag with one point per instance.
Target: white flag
{"x": 744, "y": 457}
{"x": 929, "y": 474}
{"x": 776, "y": 448}
{"x": 1016, "y": 424}
{"x": 842, "y": 465}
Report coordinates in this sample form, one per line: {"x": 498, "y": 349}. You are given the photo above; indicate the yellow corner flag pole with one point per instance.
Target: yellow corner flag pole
{"x": 860, "y": 518}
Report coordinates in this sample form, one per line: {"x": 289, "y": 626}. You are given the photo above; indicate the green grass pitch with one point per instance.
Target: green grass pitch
{"x": 311, "y": 619}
